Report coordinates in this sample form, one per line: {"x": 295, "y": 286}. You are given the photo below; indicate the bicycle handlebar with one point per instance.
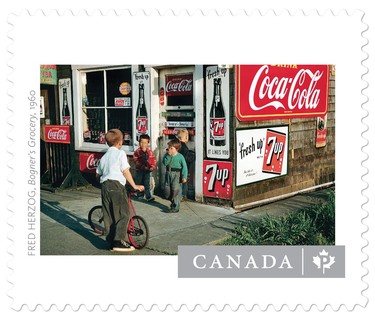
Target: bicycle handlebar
{"x": 130, "y": 189}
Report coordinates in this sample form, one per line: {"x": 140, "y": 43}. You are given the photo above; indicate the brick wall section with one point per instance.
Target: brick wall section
{"x": 308, "y": 166}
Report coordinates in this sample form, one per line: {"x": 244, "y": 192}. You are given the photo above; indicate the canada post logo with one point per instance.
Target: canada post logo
{"x": 261, "y": 261}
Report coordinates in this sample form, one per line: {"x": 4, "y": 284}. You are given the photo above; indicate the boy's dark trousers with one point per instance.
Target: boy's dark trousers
{"x": 173, "y": 188}
{"x": 115, "y": 210}
{"x": 143, "y": 177}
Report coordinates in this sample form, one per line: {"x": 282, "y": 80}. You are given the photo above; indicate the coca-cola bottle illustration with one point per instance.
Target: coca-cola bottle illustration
{"x": 87, "y": 135}
{"x": 141, "y": 116}
{"x": 217, "y": 117}
{"x": 65, "y": 110}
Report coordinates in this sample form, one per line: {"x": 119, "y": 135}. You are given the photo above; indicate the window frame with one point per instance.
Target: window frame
{"x": 77, "y": 73}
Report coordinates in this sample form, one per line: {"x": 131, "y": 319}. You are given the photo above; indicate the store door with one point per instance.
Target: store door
{"x": 176, "y": 95}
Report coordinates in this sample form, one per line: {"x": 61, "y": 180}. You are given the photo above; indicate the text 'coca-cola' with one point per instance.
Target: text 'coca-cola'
{"x": 281, "y": 91}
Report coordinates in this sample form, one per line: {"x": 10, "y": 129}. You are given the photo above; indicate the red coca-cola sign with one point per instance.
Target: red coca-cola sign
{"x": 57, "y": 134}
{"x": 89, "y": 161}
{"x": 267, "y": 92}
{"x": 161, "y": 96}
{"x": 179, "y": 85}
{"x": 217, "y": 179}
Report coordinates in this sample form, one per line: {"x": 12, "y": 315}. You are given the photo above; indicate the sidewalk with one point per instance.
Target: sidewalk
{"x": 65, "y": 229}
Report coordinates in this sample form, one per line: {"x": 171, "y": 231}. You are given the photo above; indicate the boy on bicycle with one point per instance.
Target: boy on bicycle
{"x": 114, "y": 171}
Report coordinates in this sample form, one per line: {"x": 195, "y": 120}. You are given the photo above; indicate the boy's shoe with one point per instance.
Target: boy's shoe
{"x": 173, "y": 210}
{"x": 122, "y": 246}
{"x": 150, "y": 199}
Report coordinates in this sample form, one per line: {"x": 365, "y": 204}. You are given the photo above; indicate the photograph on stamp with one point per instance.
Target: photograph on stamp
{"x": 270, "y": 214}
{"x": 142, "y": 159}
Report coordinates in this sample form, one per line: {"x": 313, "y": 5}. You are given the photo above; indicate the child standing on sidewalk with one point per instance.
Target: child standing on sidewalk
{"x": 176, "y": 173}
{"x": 113, "y": 172}
{"x": 189, "y": 155}
{"x": 145, "y": 163}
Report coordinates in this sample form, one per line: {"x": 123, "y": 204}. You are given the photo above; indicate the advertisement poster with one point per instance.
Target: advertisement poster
{"x": 141, "y": 104}
{"x": 179, "y": 85}
{"x": 261, "y": 154}
{"x": 65, "y": 101}
{"x": 42, "y": 108}
{"x": 57, "y": 134}
{"x": 217, "y": 179}
{"x": 217, "y": 112}
{"x": 321, "y": 132}
{"x": 48, "y": 74}
{"x": 89, "y": 161}
{"x": 266, "y": 92}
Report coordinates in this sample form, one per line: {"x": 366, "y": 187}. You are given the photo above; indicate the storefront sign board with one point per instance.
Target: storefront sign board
{"x": 57, "y": 134}
{"x": 48, "y": 74}
{"x": 217, "y": 179}
{"x": 141, "y": 105}
{"x": 65, "y": 85}
{"x": 125, "y": 88}
{"x": 266, "y": 92}
{"x": 321, "y": 132}
{"x": 175, "y": 131}
{"x": 180, "y": 124}
{"x": 42, "y": 108}
{"x": 179, "y": 85}
{"x": 123, "y": 102}
{"x": 161, "y": 97}
{"x": 89, "y": 161}
{"x": 262, "y": 154}
{"x": 217, "y": 113}
{"x": 178, "y": 114}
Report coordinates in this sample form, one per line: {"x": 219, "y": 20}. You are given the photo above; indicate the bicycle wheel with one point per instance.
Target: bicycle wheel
{"x": 96, "y": 219}
{"x": 138, "y": 232}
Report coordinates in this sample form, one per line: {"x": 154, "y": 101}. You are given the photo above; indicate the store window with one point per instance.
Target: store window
{"x": 106, "y": 104}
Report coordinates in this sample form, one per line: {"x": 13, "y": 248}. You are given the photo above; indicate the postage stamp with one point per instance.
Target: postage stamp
{"x": 75, "y": 75}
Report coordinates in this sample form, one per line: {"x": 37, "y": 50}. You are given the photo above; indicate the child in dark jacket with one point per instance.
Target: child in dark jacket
{"x": 189, "y": 155}
{"x": 145, "y": 164}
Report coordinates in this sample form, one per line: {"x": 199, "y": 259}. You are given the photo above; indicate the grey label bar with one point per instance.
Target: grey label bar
{"x": 261, "y": 261}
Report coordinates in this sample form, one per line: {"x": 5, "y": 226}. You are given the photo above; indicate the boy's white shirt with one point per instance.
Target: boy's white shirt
{"x": 112, "y": 165}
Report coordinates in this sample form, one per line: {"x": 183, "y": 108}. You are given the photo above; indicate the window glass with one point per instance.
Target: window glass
{"x": 121, "y": 119}
{"x": 95, "y": 89}
{"x": 95, "y": 125}
{"x": 118, "y": 87}
{"x": 106, "y": 104}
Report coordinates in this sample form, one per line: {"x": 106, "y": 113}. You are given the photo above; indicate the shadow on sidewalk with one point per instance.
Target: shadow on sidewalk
{"x": 154, "y": 203}
{"x": 53, "y": 210}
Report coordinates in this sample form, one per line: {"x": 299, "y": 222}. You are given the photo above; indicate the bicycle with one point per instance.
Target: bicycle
{"x": 138, "y": 232}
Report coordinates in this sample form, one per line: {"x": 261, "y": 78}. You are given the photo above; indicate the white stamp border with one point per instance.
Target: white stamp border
{"x": 357, "y": 60}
